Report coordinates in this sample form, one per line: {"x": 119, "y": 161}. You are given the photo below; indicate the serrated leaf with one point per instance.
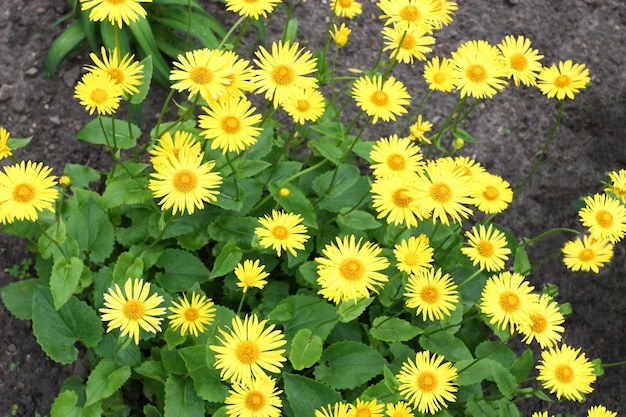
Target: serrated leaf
{"x": 181, "y": 399}
{"x": 346, "y": 365}
{"x": 479, "y": 407}
{"x": 110, "y": 132}
{"x": 206, "y": 380}
{"x": 239, "y": 230}
{"x": 393, "y": 329}
{"x": 64, "y": 279}
{"x": 91, "y": 227}
{"x": 18, "y": 298}
{"x": 445, "y": 344}
{"x": 306, "y": 349}
{"x": 64, "y": 405}
{"x": 127, "y": 266}
{"x": 226, "y": 260}
{"x": 335, "y": 183}
{"x": 306, "y": 395}
{"x": 182, "y": 269}
{"x": 349, "y": 310}
{"x": 106, "y": 378}
{"x": 358, "y": 220}
{"x": 126, "y": 191}
{"x": 305, "y": 312}
{"x": 81, "y": 175}
{"x": 521, "y": 263}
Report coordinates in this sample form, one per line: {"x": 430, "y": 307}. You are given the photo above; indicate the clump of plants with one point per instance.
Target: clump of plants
{"x": 255, "y": 256}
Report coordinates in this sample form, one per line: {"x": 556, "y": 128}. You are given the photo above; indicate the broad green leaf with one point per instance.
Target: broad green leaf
{"x": 109, "y": 347}
{"x": 65, "y": 43}
{"x": 306, "y": 349}
{"x": 64, "y": 405}
{"x": 145, "y": 38}
{"x": 250, "y": 168}
{"x": 444, "y": 344}
{"x": 346, "y": 365}
{"x": 119, "y": 192}
{"x": 296, "y": 202}
{"x": 393, "y": 329}
{"x": 152, "y": 369}
{"x": 522, "y": 365}
{"x": 504, "y": 379}
{"x": 507, "y": 408}
{"x": 328, "y": 147}
{"x": 181, "y": 399}
{"x": 91, "y": 227}
{"x": 306, "y": 395}
{"x": 18, "y": 298}
{"x": 226, "y": 260}
{"x": 239, "y": 230}
{"x": 496, "y": 351}
{"x": 479, "y": 407}
{"x": 145, "y": 83}
{"x": 357, "y": 195}
{"x": 206, "y": 380}
{"x": 127, "y": 266}
{"x": 291, "y": 29}
{"x": 521, "y": 263}
{"x": 358, "y": 220}
{"x": 348, "y": 310}
{"x": 110, "y": 132}
{"x": 232, "y": 195}
{"x": 106, "y": 378}
{"x": 182, "y": 269}
{"x": 81, "y": 175}
{"x": 16, "y": 143}
{"x": 64, "y": 279}
{"x": 336, "y": 182}
{"x": 281, "y": 172}
{"x": 305, "y": 312}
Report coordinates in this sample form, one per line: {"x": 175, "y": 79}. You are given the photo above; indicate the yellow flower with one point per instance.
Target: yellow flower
{"x": 618, "y": 185}
{"x": 544, "y": 324}
{"x": 480, "y": 69}
{"x": 25, "y": 189}
{"x": 407, "y": 44}
{"x": 605, "y": 217}
{"x": 339, "y": 409}
{"x": 566, "y": 80}
{"x": 132, "y": 309}
{"x": 116, "y": 11}
{"x": 251, "y": 274}
{"x": 523, "y": 62}
{"x": 340, "y": 35}
{"x": 507, "y": 299}
{"x": 240, "y": 76}
{"x": 588, "y": 254}
{"x": 366, "y": 409}
{"x": 346, "y": 8}
{"x": 65, "y": 181}
{"x": 564, "y": 371}
{"x": 284, "y": 71}
{"x": 419, "y": 128}
{"x": 349, "y": 270}
{"x": 396, "y": 156}
{"x": 168, "y": 145}
{"x": 98, "y": 92}
{"x": 487, "y": 247}
{"x": 381, "y": 99}
{"x": 399, "y": 409}
{"x": 438, "y": 75}
{"x": 184, "y": 183}
{"x": 204, "y": 71}
{"x": 191, "y": 316}
{"x": 282, "y": 231}
{"x": 231, "y": 124}
{"x": 248, "y": 350}
{"x": 469, "y": 168}
{"x": 253, "y": 9}
{"x": 428, "y": 382}
{"x": 444, "y": 10}
{"x": 305, "y": 105}
{"x": 414, "y": 255}
{"x": 126, "y": 72}
{"x": 258, "y": 398}
{"x": 600, "y": 411}
{"x": 5, "y": 149}
{"x": 392, "y": 199}
{"x": 432, "y": 294}
{"x": 492, "y": 194}
{"x": 409, "y": 14}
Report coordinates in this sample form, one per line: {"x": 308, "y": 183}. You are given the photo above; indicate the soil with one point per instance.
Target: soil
{"x": 510, "y": 129}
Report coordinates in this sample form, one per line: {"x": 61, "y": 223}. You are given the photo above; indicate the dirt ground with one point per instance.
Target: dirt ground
{"x": 510, "y": 129}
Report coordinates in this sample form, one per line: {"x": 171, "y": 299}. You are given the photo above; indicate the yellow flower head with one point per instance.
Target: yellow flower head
{"x": 395, "y": 156}
{"x": 419, "y": 128}
{"x": 544, "y": 324}
{"x": 346, "y": 8}
{"x": 65, "y": 180}
{"x": 340, "y": 35}
{"x": 605, "y": 217}
{"x": 392, "y": 200}
{"x": 98, "y": 92}
{"x": 350, "y": 270}
{"x": 492, "y": 194}
{"x": 192, "y": 317}
{"x": 600, "y": 411}
{"x": 408, "y": 44}
{"x": 204, "y": 71}
{"x": 126, "y": 72}
{"x": 132, "y": 309}
{"x": 5, "y": 149}
{"x": 588, "y": 254}
{"x": 116, "y": 11}
{"x": 479, "y": 69}
{"x": 366, "y": 409}
{"x": 444, "y": 12}
{"x": 251, "y": 274}
{"x": 565, "y": 371}
{"x": 409, "y": 14}
{"x": 566, "y": 80}
{"x": 618, "y": 185}
{"x": 414, "y": 255}
{"x": 240, "y": 76}
{"x": 26, "y": 189}
{"x": 305, "y": 105}
{"x": 381, "y": 99}
{"x": 282, "y": 231}
{"x": 258, "y": 398}
{"x": 399, "y": 409}
{"x": 432, "y": 294}
{"x": 487, "y": 247}
{"x": 339, "y": 409}
{"x": 168, "y": 145}
{"x": 523, "y": 62}
{"x": 253, "y": 9}
{"x": 439, "y": 75}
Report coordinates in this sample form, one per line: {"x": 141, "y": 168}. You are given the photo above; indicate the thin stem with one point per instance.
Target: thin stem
{"x": 230, "y": 164}
{"x": 243, "y": 297}
{"x": 546, "y": 233}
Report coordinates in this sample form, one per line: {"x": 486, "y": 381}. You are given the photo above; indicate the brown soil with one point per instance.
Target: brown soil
{"x": 510, "y": 130}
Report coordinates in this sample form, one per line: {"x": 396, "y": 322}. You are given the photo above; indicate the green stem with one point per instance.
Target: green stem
{"x": 470, "y": 278}
{"x": 56, "y": 243}
{"x": 231, "y": 31}
{"x": 546, "y": 233}
{"x": 243, "y": 297}
{"x": 609, "y": 365}
{"x": 230, "y": 164}
{"x": 436, "y": 139}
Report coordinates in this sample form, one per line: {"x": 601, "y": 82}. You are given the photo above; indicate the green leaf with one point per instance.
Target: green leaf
{"x": 64, "y": 279}
{"x": 18, "y": 298}
{"x": 81, "y": 175}
{"x": 182, "y": 269}
{"x": 152, "y": 369}
{"x": 358, "y": 220}
{"x": 356, "y": 196}
{"x": 127, "y": 266}
{"x": 479, "y": 407}
{"x": 142, "y": 32}
{"x": 306, "y": 395}
{"x": 145, "y": 84}
{"x": 393, "y": 329}
{"x": 250, "y": 168}
{"x": 64, "y": 405}
{"x": 460, "y": 133}
{"x": 239, "y": 230}
{"x": 507, "y": 408}
{"x": 504, "y": 379}
{"x": 522, "y": 365}
{"x": 346, "y": 365}
{"x": 106, "y": 378}
{"x": 305, "y": 312}
{"x": 57, "y": 331}
{"x": 110, "y": 132}
{"x": 296, "y": 202}
{"x": 291, "y": 29}
{"x": 342, "y": 178}
{"x": 91, "y": 227}
{"x": 328, "y": 147}
{"x": 126, "y": 191}
{"x": 226, "y": 260}
{"x": 496, "y": 351}
{"x": 181, "y": 399}
{"x": 445, "y": 344}
{"x": 63, "y": 45}
{"x": 306, "y": 349}
{"x": 206, "y": 380}
{"x": 521, "y": 263}
{"x": 349, "y": 310}
{"x": 16, "y": 143}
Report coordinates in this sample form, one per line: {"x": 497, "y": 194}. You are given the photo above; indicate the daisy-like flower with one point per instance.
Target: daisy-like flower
{"x": 305, "y": 105}
{"x": 249, "y": 349}
{"x": 117, "y": 12}
{"x": 480, "y": 69}
{"x": 132, "y": 309}
{"x": 433, "y": 295}
{"x": 544, "y": 324}
{"x": 98, "y": 92}
{"x": 566, "y": 80}
{"x": 567, "y": 372}
{"x": 407, "y": 44}
{"x": 428, "y": 383}
{"x": 414, "y": 255}
{"x": 381, "y": 99}
{"x": 231, "y": 124}
{"x": 258, "y": 398}
{"x": 253, "y": 9}
{"x": 5, "y": 149}
{"x": 282, "y": 231}
{"x": 487, "y": 247}
{"x": 126, "y": 72}
{"x": 600, "y": 411}
{"x": 26, "y": 189}
{"x": 251, "y": 274}
{"x": 340, "y": 35}
{"x": 444, "y": 12}
{"x": 168, "y": 145}
{"x": 507, "y": 299}
{"x": 617, "y": 186}
{"x": 605, "y": 217}
{"x": 491, "y": 194}
{"x": 408, "y": 14}
{"x": 191, "y": 316}
{"x": 523, "y": 62}
{"x": 202, "y": 71}
{"x": 395, "y": 156}
{"x": 399, "y": 409}
{"x": 419, "y": 128}
{"x": 339, "y": 409}
{"x": 240, "y": 76}
{"x": 438, "y": 74}
{"x": 366, "y": 409}
{"x": 346, "y": 8}
{"x": 184, "y": 182}
{"x": 588, "y": 254}
{"x": 468, "y": 167}
{"x": 443, "y": 191}
{"x": 284, "y": 71}
{"x": 392, "y": 200}
{"x": 349, "y": 270}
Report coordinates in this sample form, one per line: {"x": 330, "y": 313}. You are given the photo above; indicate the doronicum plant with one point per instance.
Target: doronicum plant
{"x": 258, "y": 257}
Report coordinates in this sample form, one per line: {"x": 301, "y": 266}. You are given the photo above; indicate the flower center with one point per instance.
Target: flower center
{"x": 440, "y": 192}
{"x": 396, "y": 162}
{"x": 116, "y": 75}
{"x": 586, "y": 255}
{"x": 409, "y": 13}
{"x": 280, "y": 232}
{"x": 201, "y": 75}
{"x": 247, "y": 352}
{"x": 345, "y": 3}
{"x": 518, "y": 62}
{"x": 351, "y": 269}
{"x": 99, "y": 96}
{"x": 491, "y": 193}
{"x": 564, "y": 373}
{"x": 439, "y": 78}
{"x": 23, "y": 193}
{"x": 231, "y": 125}
{"x": 485, "y": 249}
{"x": 426, "y": 381}
{"x": 255, "y": 401}
{"x": 283, "y": 75}
{"x": 411, "y": 259}
{"x": 562, "y": 81}
{"x": 604, "y": 218}
{"x": 303, "y": 105}
{"x": 539, "y": 323}
{"x": 476, "y": 73}
{"x": 191, "y": 314}
{"x": 408, "y": 42}
{"x": 430, "y": 294}
{"x": 400, "y": 198}
{"x": 133, "y": 310}
{"x": 509, "y": 301}
{"x": 185, "y": 181}
{"x": 379, "y": 98}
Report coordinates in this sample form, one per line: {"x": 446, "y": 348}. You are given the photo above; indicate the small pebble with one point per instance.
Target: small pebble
{"x": 31, "y": 71}
{"x": 55, "y": 120}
